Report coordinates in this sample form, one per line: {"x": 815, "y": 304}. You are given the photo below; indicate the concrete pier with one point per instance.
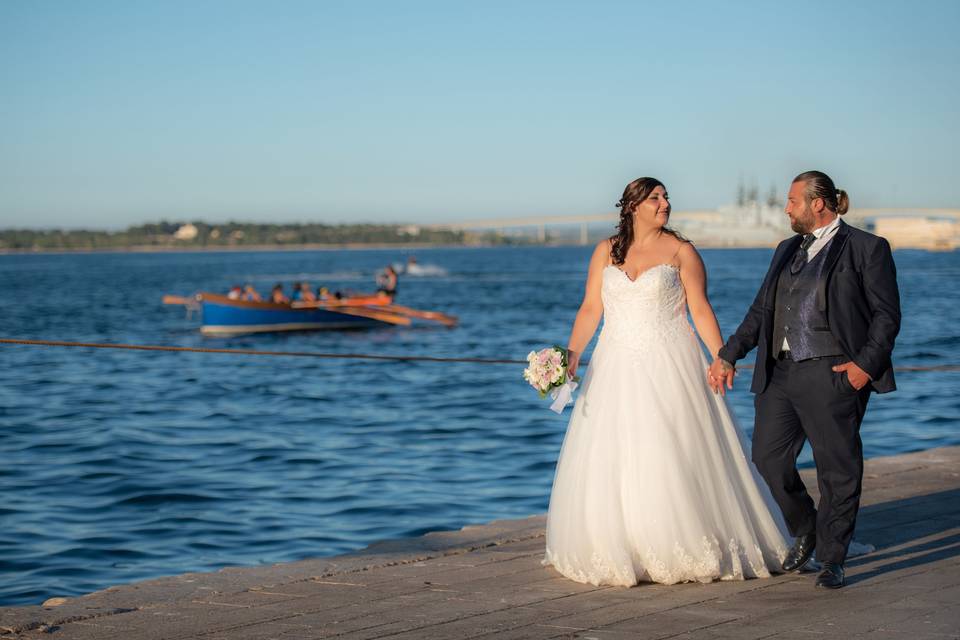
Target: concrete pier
{"x": 487, "y": 582}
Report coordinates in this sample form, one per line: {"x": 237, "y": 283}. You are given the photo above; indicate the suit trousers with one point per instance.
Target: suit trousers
{"x": 809, "y": 401}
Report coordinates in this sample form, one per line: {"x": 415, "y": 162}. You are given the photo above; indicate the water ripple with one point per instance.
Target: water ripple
{"x": 122, "y": 466}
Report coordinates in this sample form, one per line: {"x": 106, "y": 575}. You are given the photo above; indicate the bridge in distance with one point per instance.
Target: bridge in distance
{"x": 859, "y": 217}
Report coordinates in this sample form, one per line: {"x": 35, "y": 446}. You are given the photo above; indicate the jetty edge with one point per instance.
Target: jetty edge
{"x": 487, "y": 581}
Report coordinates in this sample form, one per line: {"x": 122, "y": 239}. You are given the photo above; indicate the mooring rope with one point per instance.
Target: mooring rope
{"x": 256, "y": 352}
{"x": 342, "y": 356}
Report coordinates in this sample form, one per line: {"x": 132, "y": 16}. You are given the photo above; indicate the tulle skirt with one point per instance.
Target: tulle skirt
{"x": 654, "y": 483}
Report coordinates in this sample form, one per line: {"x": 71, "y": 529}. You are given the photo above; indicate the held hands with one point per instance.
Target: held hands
{"x": 857, "y": 377}
{"x": 720, "y": 372}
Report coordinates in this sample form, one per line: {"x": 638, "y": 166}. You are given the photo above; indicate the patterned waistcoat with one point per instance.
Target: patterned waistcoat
{"x": 798, "y": 318}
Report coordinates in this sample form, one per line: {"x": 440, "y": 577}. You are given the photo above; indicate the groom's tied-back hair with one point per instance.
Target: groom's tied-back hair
{"x": 819, "y": 185}
{"x": 634, "y": 193}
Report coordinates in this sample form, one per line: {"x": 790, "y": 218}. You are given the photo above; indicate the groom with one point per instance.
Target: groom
{"x": 824, "y": 322}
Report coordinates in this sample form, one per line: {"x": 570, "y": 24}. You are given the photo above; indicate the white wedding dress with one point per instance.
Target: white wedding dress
{"x": 653, "y": 483}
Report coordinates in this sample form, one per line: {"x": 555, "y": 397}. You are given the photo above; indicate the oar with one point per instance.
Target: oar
{"x": 435, "y": 316}
{"x": 333, "y": 303}
{"x": 375, "y": 314}
{"x": 401, "y": 311}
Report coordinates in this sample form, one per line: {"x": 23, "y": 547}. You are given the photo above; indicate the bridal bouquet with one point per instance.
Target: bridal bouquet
{"x": 547, "y": 373}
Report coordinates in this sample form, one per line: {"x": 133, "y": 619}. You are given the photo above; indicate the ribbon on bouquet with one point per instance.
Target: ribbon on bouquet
{"x": 563, "y": 395}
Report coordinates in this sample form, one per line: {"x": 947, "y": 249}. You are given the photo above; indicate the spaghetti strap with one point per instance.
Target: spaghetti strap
{"x": 674, "y": 258}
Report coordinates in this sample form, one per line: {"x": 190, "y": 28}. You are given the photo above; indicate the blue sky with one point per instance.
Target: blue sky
{"x": 119, "y": 112}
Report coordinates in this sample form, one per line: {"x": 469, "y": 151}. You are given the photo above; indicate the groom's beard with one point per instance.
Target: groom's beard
{"x": 803, "y": 222}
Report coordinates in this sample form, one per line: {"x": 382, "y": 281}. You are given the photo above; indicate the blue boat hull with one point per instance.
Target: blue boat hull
{"x": 223, "y": 316}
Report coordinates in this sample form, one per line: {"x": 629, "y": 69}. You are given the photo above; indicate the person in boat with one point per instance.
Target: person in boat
{"x": 295, "y": 292}
{"x": 306, "y": 293}
{"x": 236, "y": 291}
{"x": 277, "y": 296}
{"x": 323, "y": 294}
{"x": 250, "y": 294}
{"x": 413, "y": 267}
{"x": 387, "y": 282}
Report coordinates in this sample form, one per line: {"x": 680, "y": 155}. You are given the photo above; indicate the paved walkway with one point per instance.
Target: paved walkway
{"x": 487, "y": 582}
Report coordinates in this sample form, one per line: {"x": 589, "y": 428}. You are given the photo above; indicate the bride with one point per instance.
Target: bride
{"x": 653, "y": 483}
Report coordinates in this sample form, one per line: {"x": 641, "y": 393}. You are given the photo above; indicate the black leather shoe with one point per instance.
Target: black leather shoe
{"x": 800, "y": 552}
{"x": 831, "y": 577}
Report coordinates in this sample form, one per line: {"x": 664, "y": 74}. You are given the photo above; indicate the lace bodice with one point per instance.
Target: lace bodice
{"x": 651, "y": 310}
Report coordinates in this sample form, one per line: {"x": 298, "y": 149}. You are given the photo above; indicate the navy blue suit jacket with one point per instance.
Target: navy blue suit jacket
{"x": 859, "y": 293}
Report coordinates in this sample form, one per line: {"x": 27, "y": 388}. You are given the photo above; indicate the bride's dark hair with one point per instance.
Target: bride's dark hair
{"x": 635, "y": 193}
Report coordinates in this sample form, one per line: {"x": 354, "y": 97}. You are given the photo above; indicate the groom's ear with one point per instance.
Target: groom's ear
{"x": 817, "y": 205}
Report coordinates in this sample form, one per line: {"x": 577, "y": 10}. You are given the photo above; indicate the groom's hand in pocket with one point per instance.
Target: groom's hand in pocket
{"x": 857, "y": 377}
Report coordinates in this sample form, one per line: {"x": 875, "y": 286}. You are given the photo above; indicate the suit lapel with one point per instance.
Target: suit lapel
{"x": 777, "y": 266}
{"x": 833, "y": 254}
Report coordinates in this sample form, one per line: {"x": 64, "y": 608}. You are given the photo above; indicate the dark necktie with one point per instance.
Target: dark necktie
{"x": 800, "y": 258}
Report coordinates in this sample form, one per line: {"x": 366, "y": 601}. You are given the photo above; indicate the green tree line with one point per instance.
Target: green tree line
{"x": 198, "y": 234}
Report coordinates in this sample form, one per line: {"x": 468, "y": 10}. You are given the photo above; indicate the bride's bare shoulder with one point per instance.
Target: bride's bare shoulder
{"x": 687, "y": 254}
{"x": 604, "y": 245}
{"x": 603, "y": 249}
{"x": 685, "y": 247}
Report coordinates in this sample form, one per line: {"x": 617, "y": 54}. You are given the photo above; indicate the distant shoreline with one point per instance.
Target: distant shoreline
{"x": 352, "y": 246}
{"x": 359, "y": 246}
{"x": 253, "y": 247}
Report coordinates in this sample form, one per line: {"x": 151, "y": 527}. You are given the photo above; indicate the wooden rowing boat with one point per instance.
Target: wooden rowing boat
{"x": 224, "y": 316}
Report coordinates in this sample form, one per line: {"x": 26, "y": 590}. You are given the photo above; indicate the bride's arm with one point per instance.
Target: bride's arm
{"x": 694, "y": 278}
{"x": 591, "y": 309}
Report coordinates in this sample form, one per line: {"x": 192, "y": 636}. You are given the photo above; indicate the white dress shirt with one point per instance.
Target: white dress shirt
{"x": 823, "y": 235}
